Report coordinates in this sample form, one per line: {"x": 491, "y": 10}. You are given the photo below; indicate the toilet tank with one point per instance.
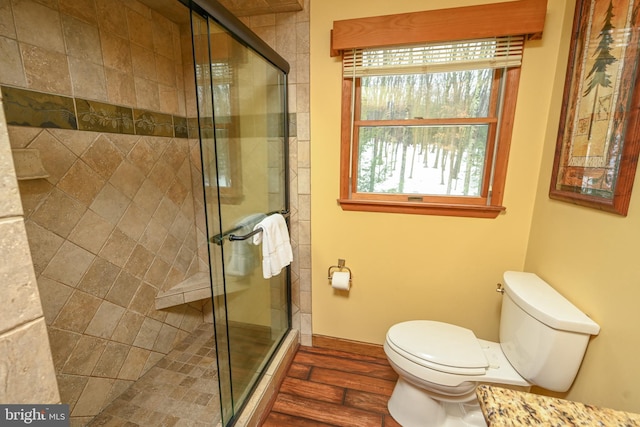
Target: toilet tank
{"x": 542, "y": 334}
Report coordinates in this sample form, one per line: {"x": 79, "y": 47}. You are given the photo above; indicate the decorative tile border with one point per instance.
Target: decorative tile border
{"x": 100, "y": 117}
{"x": 24, "y": 107}
{"x": 36, "y": 109}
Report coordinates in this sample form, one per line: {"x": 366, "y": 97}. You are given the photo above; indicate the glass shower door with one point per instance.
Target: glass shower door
{"x": 242, "y": 124}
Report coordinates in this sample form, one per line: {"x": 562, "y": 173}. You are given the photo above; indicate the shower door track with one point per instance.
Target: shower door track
{"x": 239, "y": 30}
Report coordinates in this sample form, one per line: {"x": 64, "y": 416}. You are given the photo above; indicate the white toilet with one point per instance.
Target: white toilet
{"x": 543, "y": 338}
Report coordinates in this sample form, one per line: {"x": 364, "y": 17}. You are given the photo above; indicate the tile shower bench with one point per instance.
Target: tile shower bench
{"x": 505, "y": 407}
{"x": 193, "y": 288}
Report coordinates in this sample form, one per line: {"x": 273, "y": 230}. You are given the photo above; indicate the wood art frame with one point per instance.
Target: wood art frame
{"x": 599, "y": 133}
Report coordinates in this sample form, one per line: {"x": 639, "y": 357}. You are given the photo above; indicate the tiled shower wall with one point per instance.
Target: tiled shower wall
{"x": 111, "y": 226}
{"x": 116, "y": 221}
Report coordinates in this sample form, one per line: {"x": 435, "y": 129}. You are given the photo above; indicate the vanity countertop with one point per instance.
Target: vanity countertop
{"x": 505, "y": 407}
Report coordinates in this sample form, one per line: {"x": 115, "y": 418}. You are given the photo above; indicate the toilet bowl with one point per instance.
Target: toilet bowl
{"x": 543, "y": 338}
{"x": 445, "y": 366}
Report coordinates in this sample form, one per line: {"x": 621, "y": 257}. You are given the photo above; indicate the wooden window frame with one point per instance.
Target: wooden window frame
{"x": 470, "y": 22}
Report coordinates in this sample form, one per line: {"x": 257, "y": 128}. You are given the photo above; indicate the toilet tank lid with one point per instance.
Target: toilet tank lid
{"x": 540, "y": 300}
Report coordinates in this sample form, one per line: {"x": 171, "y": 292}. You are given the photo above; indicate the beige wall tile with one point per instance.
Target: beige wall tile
{"x": 81, "y": 182}
{"x": 47, "y": 243}
{"x": 139, "y": 261}
{"x": 32, "y": 193}
{"x": 120, "y": 88}
{"x": 142, "y": 156}
{"x": 55, "y": 156}
{"x": 105, "y": 320}
{"x": 62, "y": 344}
{"x": 55, "y": 294}
{"x": 110, "y": 204}
{"x": 38, "y": 25}
{"x": 7, "y": 27}
{"x": 81, "y": 9}
{"x": 77, "y": 312}
{"x": 128, "y": 328}
{"x": 112, "y": 17}
{"x": 46, "y": 70}
{"x": 134, "y": 363}
{"x": 21, "y": 136}
{"x": 147, "y": 335}
{"x": 75, "y": 140}
{"x": 165, "y": 340}
{"x": 127, "y": 178}
{"x": 169, "y": 99}
{"x": 116, "y": 52}
{"x": 157, "y": 273}
{"x": 81, "y": 39}
{"x": 117, "y": 248}
{"x": 166, "y": 212}
{"x": 93, "y": 397}
{"x": 88, "y": 79}
{"x": 143, "y": 62}
{"x": 91, "y": 232}
{"x": 84, "y": 356}
{"x": 71, "y": 387}
{"x": 19, "y": 285}
{"x": 103, "y": 157}
{"x": 192, "y": 318}
{"x": 165, "y": 71}
{"x": 99, "y": 278}
{"x": 29, "y": 377}
{"x": 169, "y": 249}
{"x": 123, "y": 289}
{"x": 147, "y": 94}
{"x": 163, "y": 31}
{"x": 134, "y": 221}
{"x": 111, "y": 360}
{"x": 69, "y": 264}
{"x": 59, "y": 213}
{"x": 144, "y": 299}
{"x": 140, "y": 29}
{"x": 154, "y": 235}
{"x": 11, "y": 70}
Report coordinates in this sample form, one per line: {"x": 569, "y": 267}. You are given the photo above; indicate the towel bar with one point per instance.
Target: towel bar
{"x": 219, "y": 238}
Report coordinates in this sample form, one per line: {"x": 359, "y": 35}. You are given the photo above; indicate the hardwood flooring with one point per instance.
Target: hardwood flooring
{"x": 334, "y": 388}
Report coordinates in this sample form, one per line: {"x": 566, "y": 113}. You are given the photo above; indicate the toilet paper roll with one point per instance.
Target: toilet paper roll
{"x": 340, "y": 280}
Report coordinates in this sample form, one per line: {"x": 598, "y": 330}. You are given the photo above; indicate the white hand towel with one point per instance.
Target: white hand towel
{"x": 276, "y": 247}
{"x": 241, "y": 258}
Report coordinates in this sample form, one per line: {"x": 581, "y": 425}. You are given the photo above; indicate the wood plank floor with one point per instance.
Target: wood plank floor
{"x": 334, "y": 388}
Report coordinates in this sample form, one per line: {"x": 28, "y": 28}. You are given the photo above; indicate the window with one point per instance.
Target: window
{"x": 426, "y": 127}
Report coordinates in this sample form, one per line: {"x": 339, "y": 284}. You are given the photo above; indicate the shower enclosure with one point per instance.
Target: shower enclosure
{"x": 242, "y": 122}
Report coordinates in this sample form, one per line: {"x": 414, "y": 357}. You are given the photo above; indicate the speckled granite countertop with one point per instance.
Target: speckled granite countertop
{"x": 510, "y": 408}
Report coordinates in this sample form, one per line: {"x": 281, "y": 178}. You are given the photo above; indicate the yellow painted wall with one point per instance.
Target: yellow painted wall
{"x": 418, "y": 266}
{"x": 592, "y": 258}
{"x": 408, "y": 267}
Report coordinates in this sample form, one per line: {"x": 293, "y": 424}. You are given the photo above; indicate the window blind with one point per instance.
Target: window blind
{"x": 497, "y": 52}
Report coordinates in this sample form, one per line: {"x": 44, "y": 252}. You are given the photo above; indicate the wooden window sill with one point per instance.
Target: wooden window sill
{"x": 417, "y": 208}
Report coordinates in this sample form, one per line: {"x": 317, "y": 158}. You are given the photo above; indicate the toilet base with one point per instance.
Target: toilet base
{"x": 411, "y": 406}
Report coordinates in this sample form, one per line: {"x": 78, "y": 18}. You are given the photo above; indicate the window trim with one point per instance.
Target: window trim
{"x": 429, "y": 26}
{"x": 438, "y": 205}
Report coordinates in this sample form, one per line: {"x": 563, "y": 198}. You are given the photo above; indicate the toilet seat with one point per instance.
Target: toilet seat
{"x": 441, "y": 346}
{"x": 428, "y": 351}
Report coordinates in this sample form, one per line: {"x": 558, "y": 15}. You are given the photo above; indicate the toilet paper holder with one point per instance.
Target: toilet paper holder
{"x": 339, "y": 267}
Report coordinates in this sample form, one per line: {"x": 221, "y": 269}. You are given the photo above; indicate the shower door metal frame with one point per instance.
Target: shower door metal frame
{"x": 241, "y": 33}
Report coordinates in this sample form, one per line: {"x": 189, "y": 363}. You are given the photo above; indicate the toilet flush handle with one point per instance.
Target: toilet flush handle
{"x": 500, "y": 289}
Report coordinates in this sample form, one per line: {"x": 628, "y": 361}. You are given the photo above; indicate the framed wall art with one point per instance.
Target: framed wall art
{"x": 599, "y": 133}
